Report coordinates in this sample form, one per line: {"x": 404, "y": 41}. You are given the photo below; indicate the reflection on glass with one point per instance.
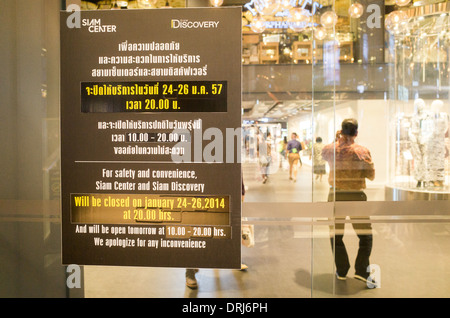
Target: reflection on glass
{"x": 420, "y": 120}
{"x": 319, "y": 164}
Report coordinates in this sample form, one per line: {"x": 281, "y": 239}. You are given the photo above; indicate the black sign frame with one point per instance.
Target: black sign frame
{"x": 126, "y": 198}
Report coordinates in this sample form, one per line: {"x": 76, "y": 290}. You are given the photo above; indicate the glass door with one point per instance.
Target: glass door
{"x": 389, "y": 183}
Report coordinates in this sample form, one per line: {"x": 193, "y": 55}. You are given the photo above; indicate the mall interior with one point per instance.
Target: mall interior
{"x": 306, "y": 66}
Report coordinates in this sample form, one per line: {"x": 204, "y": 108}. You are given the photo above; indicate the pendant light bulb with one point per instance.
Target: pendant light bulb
{"x": 329, "y": 19}
{"x": 320, "y": 33}
{"x": 299, "y": 15}
{"x": 216, "y": 3}
{"x": 299, "y": 19}
{"x": 395, "y": 20}
{"x": 356, "y": 10}
{"x": 258, "y": 24}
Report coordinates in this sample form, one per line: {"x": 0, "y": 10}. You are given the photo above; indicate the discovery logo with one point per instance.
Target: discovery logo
{"x": 186, "y": 24}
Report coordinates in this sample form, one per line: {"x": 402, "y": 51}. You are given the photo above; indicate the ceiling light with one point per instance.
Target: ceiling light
{"x": 356, "y": 10}
{"x": 395, "y": 19}
{"x": 216, "y": 3}
{"x": 320, "y": 33}
{"x": 329, "y": 19}
{"x": 299, "y": 15}
{"x": 299, "y": 19}
{"x": 258, "y": 24}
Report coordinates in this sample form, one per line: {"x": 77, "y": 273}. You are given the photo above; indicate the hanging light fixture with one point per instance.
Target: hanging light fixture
{"x": 320, "y": 33}
{"x": 329, "y": 19}
{"x": 299, "y": 19}
{"x": 388, "y": 24}
{"x": 216, "y": 3}
{"x": 299, "y": 14}
{"x": 356, "y": 10}
{"x": 395, "y": 20}
{"x": 267, "y": 7}
{"x": 402, "y": 3}
{"x": 258, "y": 24}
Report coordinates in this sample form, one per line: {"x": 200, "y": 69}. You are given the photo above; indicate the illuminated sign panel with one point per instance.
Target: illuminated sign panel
{"x": 148, "y": 101}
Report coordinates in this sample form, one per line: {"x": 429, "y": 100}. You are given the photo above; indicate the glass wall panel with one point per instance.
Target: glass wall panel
{"x": 29, "y": 185}
{"x": 277, "y": 101}
{"x": 419, "y": 106}
{"x": 279, "y": 78}
{"x": 394, "y": 168}
{"x": 307, "y": 67}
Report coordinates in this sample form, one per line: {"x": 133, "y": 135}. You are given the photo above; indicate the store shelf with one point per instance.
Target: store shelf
{"x": 250, "y": 48}
{"x": 302, "y": 51}
{"x": 269, "y": 53}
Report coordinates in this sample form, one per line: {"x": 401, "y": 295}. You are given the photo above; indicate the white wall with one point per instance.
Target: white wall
{"x": 373, "y": 133}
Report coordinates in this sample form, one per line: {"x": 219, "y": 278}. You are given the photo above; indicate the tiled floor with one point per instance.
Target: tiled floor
{"x": 294, "y": 260}
{"x": 412, "y": 261}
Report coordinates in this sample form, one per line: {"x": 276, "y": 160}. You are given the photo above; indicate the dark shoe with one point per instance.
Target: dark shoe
{"x": 191, "y": 281}
{"x": 340, "y": 277}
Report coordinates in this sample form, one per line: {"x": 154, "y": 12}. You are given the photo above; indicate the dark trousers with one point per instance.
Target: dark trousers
{"x": 364, "y": 233}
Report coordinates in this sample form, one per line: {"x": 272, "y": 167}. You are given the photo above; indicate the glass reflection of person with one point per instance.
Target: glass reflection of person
{"x": 350, "y": 165}
{"x": 319, "y": 167}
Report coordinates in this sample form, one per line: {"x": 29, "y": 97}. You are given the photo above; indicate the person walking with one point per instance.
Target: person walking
{"x": 293, "y": 148}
